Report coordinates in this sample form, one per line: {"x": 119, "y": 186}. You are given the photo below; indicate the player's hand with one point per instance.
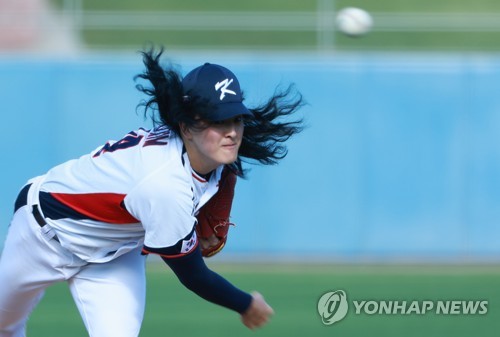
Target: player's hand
{"x": 258, "y": 313}
{"x": 209, "y": 242}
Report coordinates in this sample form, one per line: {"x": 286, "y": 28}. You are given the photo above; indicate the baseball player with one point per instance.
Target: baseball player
{"x": 167, "y": 191}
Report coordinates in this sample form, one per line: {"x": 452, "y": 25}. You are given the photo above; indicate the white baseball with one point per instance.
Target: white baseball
{"x": 354, "y": 21}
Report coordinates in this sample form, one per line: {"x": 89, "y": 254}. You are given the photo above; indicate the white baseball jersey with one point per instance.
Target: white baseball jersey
{"x": 140, "y": 190}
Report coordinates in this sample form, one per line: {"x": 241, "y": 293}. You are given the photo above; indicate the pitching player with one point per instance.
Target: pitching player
{"x": 92, "y": 221}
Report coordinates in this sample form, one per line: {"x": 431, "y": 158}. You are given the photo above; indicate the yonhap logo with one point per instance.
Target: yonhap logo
{"x": 332, "y": 307}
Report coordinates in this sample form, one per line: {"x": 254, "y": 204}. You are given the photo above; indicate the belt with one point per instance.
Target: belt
{"x": 22, "y": 200}
{"x": 38, "y": 216}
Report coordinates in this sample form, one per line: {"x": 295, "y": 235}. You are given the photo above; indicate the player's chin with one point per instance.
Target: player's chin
{"x": 228, "y": 155}
{"x": 228, "y": 160}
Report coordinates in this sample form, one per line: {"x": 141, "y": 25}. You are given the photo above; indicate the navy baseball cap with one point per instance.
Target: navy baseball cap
{"x": 220, "y": 87}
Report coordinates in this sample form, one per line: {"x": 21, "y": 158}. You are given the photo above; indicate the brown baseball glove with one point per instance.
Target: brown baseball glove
{"x": 213, "y": 217}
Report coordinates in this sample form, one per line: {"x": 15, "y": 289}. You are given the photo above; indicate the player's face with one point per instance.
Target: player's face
{"x": 214, "y": 144}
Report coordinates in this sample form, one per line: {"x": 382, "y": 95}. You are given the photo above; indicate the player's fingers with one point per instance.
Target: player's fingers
{"x": 204, "y": 243}
{"x": 259, "y": 312}
{"x": 209, "y": 242}
{"x": 259, "y": 299}
{"x": 256, "y": 322}
{"x": 213, "y": 240}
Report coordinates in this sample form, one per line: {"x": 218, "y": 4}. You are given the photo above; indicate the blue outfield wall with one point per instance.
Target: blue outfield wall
{"x": 400, "y": 159}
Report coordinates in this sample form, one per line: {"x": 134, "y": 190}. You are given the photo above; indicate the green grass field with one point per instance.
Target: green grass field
{"x": 304, "y": 40}
{"x": 293, "y": 291}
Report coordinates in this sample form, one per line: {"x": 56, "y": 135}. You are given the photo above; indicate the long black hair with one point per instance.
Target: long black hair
{"x": 264, "y": 134}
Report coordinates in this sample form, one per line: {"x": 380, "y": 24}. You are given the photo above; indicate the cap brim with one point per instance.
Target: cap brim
{"x": 229, "y": 110}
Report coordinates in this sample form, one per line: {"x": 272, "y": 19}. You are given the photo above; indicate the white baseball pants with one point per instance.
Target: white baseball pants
{"x": 110, "y": 296}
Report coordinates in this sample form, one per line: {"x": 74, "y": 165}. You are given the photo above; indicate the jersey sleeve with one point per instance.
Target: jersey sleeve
{"x": 163, "y": 203}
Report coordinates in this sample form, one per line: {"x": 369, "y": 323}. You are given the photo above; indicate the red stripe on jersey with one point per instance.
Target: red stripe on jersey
{"x": 105, "y": 207}
{"x": 200, "y": 179}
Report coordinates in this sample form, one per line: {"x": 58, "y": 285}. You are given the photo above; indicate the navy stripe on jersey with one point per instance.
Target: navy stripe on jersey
{"x": 22, "y": 198}
{"x": 188, "y": 243}
{"x": 55, "y": 210}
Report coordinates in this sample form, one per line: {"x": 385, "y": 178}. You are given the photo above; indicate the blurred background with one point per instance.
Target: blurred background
{"x": 399, "y": 165}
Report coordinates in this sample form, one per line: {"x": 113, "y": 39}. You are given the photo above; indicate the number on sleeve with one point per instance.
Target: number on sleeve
{"x": 131, "y": 139}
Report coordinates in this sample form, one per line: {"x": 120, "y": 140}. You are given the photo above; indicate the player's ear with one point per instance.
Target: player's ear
{"x": 185, "y": 131}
